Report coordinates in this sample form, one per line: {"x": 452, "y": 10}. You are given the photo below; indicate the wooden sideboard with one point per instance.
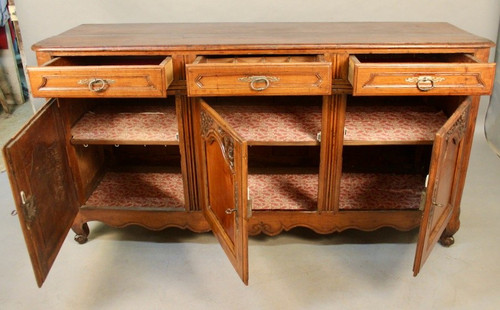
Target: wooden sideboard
{"x": 248, "y": 128}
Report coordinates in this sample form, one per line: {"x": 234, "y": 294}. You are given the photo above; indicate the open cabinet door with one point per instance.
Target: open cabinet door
{"x": 444, "y": 173}
{"x": 42, "y": 185}
{"x": 225, "y": 178}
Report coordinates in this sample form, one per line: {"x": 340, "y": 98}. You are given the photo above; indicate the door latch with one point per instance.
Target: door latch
{"x": 29, "y": 209}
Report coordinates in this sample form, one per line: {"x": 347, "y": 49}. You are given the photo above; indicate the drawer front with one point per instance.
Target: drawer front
{"x": 422, "y": 78}
{"x": 270, "y": 76}
{"x": 72, "y": 79}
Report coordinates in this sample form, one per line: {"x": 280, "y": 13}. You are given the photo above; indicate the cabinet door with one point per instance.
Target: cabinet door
{"x": 444, "y": 174}
{"x": 42, "y": 184}
{"x": 224, "y": 156}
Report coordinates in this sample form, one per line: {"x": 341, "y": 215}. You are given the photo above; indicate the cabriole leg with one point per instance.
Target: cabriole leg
{"x": 81, "y": 231}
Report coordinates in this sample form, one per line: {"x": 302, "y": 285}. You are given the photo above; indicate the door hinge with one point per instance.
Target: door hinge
{"x": 423, "y": 199}
{"x": 29, "y": 209}
{"x": 318, "y": 137}
{"x": 249, "y": 205}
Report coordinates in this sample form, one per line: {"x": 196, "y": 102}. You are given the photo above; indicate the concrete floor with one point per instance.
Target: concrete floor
{"x": 11, "y": 123}
{"x": 133, "y": 268}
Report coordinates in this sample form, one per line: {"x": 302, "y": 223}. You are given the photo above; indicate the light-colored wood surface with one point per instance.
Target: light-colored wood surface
{"x": 97, "y": 78}
{"x": 420, "y": 76}
{"x": 252, "y": 76}
{"x": 256, "y": 36}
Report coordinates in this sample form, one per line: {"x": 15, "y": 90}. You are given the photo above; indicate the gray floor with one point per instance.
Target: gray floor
{"x": 133, "y": 268}
{"x": 11, "y": 123}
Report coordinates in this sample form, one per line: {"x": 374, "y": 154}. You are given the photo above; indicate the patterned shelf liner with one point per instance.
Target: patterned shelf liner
{"x": 273, "y": 123}
{"x": 283, "y": 191}
{"x": 142, "y": 190}
{"x": 358, "y": 191}
{"x": 370, "y": 191}
{"x": 363, "y": 124}
{"x": 263, "y": 124}
{"x": 392, "y": 123}
{"x": 147, "y": 125}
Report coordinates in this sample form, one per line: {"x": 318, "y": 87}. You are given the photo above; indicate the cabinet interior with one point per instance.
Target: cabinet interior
{"x": 107, "y": 61}
{"x": 258, "y": 59}
{"x": 387, "y": 150}
{"x": 416, "y": 58}
{"x": 272, "y": 120}
{"x": 283, "y": 177}
{"x": 283, "y": 152}
{"x": 127, "y": 153}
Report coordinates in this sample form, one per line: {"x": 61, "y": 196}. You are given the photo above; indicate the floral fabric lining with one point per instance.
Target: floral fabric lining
{"x": 283, "y": 191}
{"x": 392, "y": 123}
{"x": 364, "y": 191}
{"x": 279, "y": 123}
{"x": 136, "y": 127}
{"x": 138, "y": 190}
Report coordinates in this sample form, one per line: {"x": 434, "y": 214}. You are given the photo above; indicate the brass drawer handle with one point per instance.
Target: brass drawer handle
{"x": 425, "y": 83}
{"x": 96, "y": 85}
{"x": 253, "y": 80}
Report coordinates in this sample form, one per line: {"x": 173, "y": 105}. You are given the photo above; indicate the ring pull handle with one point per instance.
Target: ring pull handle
{"x": 98, "y": 85}
{"x": 258, "y": 79}
{"x": 425, "y": 83}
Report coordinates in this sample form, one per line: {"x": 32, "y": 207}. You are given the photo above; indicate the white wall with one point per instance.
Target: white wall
{"x": 40, "y": 19}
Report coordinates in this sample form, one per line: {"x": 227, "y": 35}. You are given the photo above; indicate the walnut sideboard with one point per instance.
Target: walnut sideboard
{"x": 248, "y": 128}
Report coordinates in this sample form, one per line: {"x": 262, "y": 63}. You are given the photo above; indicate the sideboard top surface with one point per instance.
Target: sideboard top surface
{"x": 259, "y": 36}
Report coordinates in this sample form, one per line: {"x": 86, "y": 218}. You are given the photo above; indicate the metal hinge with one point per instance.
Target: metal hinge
{"x": 423, "y": 198}
{"x": 249, "y": 205}
{"x": 318, "y": 136}
{"x": 29, "y": 209}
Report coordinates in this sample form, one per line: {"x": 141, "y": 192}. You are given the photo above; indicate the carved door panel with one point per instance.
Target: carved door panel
{"x": 42, "y": 184}
{"x": 444, "y": 174}
{"x": 224, "y": 156}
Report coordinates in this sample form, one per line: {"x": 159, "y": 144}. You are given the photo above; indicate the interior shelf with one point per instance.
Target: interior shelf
{"x": 127, "y": 124}
{"x": 390, "y": 124}
{"x": 139, "y": 190}
{"x": 283, "y": 191}
{"x": 274, "y": 124}
{"x": 378, "y": 191}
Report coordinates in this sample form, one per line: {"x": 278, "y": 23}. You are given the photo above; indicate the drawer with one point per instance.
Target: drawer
{"x": 259, "y": 75}
{"x": 421, "y": 74}
{"x": 79, "y": 77}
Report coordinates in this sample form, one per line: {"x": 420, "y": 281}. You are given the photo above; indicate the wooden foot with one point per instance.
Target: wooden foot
{"x": 82, "y": 232}
{"x": 446, "y": 240}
